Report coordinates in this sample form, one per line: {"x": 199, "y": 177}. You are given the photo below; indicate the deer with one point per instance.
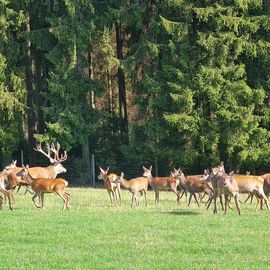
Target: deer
{"x": 50, "y": 171}
{"x": 224, "y": 184}
{"x": 135, "y": 185}
{"x": 252, "y": 184}
{"x": 7, "y": 193}
{"x": 112, "y": 188}
{"x": 40, "y": 186}
{"x": 4, "y": 184}
{"x": 266, "y": 189}
{"x": 161, "y": 183}
{"x": 193, "y": 184}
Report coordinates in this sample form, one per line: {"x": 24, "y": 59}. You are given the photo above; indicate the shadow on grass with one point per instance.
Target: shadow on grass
{"x": 183, "y": 213}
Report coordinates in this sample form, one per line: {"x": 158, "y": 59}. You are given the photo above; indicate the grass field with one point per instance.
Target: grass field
{"x": 96, "y": 235}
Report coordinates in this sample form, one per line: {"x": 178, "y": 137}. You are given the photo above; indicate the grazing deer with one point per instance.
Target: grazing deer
{"x": 40, "y": 186}
{"x": 139, "y": 184}
{"x": 193, "y": 184}
{"x": 161, "y": 183}
{"x": 112, "y": 188}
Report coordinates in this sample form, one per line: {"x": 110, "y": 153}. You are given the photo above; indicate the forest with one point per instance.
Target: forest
{"x": 166, "y": 83}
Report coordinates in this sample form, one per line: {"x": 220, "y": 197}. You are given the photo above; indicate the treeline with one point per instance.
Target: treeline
{"x": 139, "y": 82}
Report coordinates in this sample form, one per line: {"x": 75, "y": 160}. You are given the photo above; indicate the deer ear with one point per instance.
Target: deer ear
{"x": 231, "y": 173}
{"x": 27, "y": 167}
{"x": 107, "y": 169}
{"x": 150, "y": 169}
{"x": 101, "y": 170}
{"x": 122, "y": 175}
{"x": 144, "y": 168}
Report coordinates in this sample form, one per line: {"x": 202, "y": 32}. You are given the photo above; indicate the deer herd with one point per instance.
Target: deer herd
{"x": 215, "y": 184}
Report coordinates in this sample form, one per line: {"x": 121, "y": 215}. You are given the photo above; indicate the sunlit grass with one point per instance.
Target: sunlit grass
{"x": 96, "y": 235}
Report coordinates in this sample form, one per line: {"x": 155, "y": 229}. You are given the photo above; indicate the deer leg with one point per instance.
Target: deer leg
{"x": 132, "y": 199}
{"x": 196, "y": 199}
{"x": 19, "y": 188}
{"x": 208, "y": 203}
{"x": 190, "y": 196}
{"x": 144, "y": 191}
{"x": 174, "y": 189}
{"x": 264, "y": 198}
{"x": 119, "y": 195}
{"x": 221, "y": 202}
{"x": 248, "y": 197}
{"x": 34, "y": 200}
{"x": 7, "y": 193}
{"x": 156, "y": 196}
{"x": 110, "y": 195}
{"x": 237, "y": 203}
{"x": 215, "y": 205}
{"x": 226, "y": 203}
{"x": 67, "y": 195}
{"x": 138, "y": 202}
{"x": 115, "y": 191}
{"x": 259, "y": 199}
{"x": 64, "y": 199}
{"x": 42, "y": 200}
{"x": 252, "y": 196}
{"x": 1, "y": 202}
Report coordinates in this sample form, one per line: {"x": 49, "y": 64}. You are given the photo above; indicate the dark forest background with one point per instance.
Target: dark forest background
{"x": 131, "y": 83}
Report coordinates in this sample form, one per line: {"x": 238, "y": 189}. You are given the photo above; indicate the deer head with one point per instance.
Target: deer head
{"x": 147, "y": 172}
{"x": 103, "y": 173}
{"x": 57, "y": 159}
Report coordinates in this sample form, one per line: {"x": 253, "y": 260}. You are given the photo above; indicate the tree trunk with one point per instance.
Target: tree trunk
{"x": 121, "y": 87}
{"x": 39, "y": 91}
{"x": 31, "y": 118}
{"x": 86, "y": 160}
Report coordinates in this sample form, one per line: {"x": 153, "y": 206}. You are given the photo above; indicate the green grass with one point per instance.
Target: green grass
{"x": 96, "y": 235}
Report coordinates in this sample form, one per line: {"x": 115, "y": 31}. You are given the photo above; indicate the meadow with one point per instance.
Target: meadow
{"x": 96, "y": 235}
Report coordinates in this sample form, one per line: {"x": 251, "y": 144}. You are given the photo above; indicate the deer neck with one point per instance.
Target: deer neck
{"x": 125, "y": 183}
{"x": 51, "y": 171}
{"x": 28, "y": 178}
{"x": 150, "y": 178}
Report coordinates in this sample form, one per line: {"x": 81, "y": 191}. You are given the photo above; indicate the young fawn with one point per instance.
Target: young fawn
{"x": 193, "y": 184}
{"x": 135, "y": 185}
{"x": 40, "y": 186}
{"x": 161, "y": 183}
{"x": 112, "y": 187}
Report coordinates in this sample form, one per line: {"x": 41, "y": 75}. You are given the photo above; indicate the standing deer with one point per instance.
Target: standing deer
{"x": 224, "y": 184}
{"x": 112, "y": 187}
{"x": 40, "y": 186}
{"x": 193, "y": 184}
{"x": 161, "y": 183}
{"x": 135, "y": 185}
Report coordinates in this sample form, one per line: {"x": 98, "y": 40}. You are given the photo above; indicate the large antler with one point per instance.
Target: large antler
{"x": 48, "y": 155}
{"x": 56, "y": 150}
{"x": 51, "y": 148}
